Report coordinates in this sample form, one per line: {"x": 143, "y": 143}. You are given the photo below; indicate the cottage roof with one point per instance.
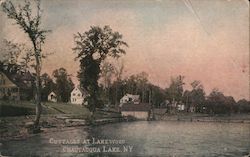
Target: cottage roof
{"x": 133, "y": 96}
{"x": 136, "y": 107}
{"x": 18, "y": 79}
{"x": 52, "y": 93}
{"x": 82, "y": 90}
{"x": 27, "y": 76}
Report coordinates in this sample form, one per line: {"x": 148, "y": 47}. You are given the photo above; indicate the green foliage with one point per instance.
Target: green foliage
{"x": 64, "y": 84}
{"x": 175, "y": 90}
{"x": 107, "y": 71}
{"x": 29, "y": 20}
{"x": 195, "y": 97}
{"x": 137, "y": 84}
{"x": 10, "y": 57}
{"x": 92, "y": 48}
{"x": 10, "y": 52}
{"x": 158, "y": 95}
{"x": 218, "y": 103}
{"x": 23, "y": 17}
{"x": 243, "y": 106}
{"x": 47, "y": 85}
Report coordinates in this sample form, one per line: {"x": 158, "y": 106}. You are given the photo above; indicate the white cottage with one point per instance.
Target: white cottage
{"x": 52, "y": 97}
{"x": 130, "y": 98}
{"x": 181, "y": 107}
{"x": 77, "y": 96}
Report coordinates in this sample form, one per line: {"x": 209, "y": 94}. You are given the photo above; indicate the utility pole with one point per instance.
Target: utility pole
{"x": 150, "y": 102}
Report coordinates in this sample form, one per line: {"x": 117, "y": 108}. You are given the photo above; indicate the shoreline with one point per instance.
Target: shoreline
{"x": 48, "y": 125}
{"x": 209, "y": 118}
{"x": 55, "y": 123}
{"x": 209, "y": 121}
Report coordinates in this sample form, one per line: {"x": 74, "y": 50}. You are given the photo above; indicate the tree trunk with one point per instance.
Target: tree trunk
{"x": 38, "y": 100}
{"x": 38, "y": 86}
{"x": 116, "y": 94}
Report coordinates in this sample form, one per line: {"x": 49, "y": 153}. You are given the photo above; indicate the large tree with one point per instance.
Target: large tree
{"x": 92, "y": 48}
{"x": 217, "y": 102}
{"x": 107, "y": 72}
{"x": 16, "y": 57}
{"x": 10, "y": 52}
{"x": 175, "y": 90}
{"x": 135, "y": 84}
{"x": 30, "y": 22}
{"x": 27, "y": 61}
{"x": 243, "y": 106}
{"x": 118, "y": 81}
{"x": 195, "y": 97}
{"x": 47, "y": 85}
{"x": 64, "y": 84}
{"x": 10, "y": 56}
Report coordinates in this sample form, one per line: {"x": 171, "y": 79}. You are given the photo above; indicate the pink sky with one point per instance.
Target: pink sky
{"x": 166, "y": 38}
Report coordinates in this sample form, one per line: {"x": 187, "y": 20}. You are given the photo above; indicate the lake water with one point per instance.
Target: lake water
{"x": 146, "y": 139}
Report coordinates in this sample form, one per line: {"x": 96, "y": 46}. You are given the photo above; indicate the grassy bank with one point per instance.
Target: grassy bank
{"x": 14, "y": 117}
{"x": 24, "y": 108}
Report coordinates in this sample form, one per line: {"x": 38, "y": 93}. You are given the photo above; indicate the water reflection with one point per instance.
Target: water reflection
{"x": 147, "y": 139}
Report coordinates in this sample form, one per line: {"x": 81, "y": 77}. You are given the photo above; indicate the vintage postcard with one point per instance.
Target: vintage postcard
{"x": 129, "y": 78}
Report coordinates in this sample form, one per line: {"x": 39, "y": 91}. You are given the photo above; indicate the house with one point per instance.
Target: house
{"x": 172, "y": 107}
{"x": 164, "y": 104}
{"x": 52, "y": 97}
{"x": 192, "y": 108}
{"x": 130, "y": 98}
{"x": 78, "y": 95}
{"x": 16, "y": 86}
{"x": 180, "y": 106}
{"x": 139, "y": 111}
{"x": 8, "y": 89}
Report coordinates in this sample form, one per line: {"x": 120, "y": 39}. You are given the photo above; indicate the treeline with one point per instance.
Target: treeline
{"x": 17, "y": 61}
{"x": 137, "y": 84}
{"x": 104, "y": 82}
{"x": 60, "y": 83}
{"x": 112, "y": 86}
{"x": 215, "y": 102}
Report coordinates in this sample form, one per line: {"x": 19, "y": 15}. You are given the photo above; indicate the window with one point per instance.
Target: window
{"x": 2, "y": 81}
{"x": 79, "y": 95}
{"x": 14, "y": 90}
{"x": 74, "y": 94}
